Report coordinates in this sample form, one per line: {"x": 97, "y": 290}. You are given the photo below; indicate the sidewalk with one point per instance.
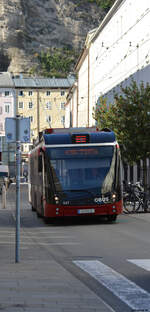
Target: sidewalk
{"x": 38, "y": 284}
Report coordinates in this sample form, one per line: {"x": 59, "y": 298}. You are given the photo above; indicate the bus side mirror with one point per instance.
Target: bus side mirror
{"x": 40, "y": 163}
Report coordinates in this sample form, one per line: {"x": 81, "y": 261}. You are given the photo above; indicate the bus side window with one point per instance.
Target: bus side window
{"x": 40, "y": 163}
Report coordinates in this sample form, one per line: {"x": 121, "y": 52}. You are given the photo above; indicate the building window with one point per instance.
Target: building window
{"x": 20, "y": 105}
{"x": 63, "y": 120}
{"x": 48, "y": 105}
{"x": 31, "y": 118}
{"x": 30, "y": 105}
{"x": 20, "y": 93}
{"x": 7, "y": 93}
{"x": 30, "y": 93}
{"x": 1, "y": 110}
{"x": 7, "y": 109}
{"x": 62, "y": 93}
{"x": 62, "y": 105}
{"x": 48, "y": 93}
{"x": 1, "y": 126}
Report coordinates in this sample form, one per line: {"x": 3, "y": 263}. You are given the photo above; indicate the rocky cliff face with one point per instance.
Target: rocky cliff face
{"x": 30, "y": 26}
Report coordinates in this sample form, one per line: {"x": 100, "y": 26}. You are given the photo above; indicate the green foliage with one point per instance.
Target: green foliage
{"x": 56, "y": 62}
{"x": 103, "y": 113}
{"x": 129, "y": 117}
{"x": 104, "y": 4}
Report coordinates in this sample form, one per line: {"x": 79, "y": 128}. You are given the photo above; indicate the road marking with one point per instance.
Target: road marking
{"x": 43, "y": 232}
{"x": 26, "y": 236}
{"x": 39, "y": 244}
{"x": 7, "y": 232}
{"x": 143, "y": 263}
{"x": 130, "y": 293}
{"x": 30, "y": 233}
{"x": 46, "y": 236}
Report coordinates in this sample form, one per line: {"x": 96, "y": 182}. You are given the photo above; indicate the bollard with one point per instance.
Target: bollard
{"x": 3, "y": 196}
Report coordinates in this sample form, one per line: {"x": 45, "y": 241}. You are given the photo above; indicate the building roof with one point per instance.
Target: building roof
{"x": 43, "y": 82}
{"x": 89, "y": 36}
{"x": 5, "y": 80}
{"x": 107, "y": 18}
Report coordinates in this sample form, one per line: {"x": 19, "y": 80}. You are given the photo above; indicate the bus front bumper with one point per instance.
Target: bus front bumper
{"x": 70, "y": 211}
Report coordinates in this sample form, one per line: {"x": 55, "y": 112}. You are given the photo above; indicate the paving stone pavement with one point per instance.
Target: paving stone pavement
{"x": 35, "y": 285}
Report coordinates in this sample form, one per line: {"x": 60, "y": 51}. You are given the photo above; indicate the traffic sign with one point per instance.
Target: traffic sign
{"x": 17, "y": 130}
{"x": 23, "y": 131}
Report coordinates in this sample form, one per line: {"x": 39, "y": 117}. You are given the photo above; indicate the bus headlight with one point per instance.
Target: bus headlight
{"x": 56, "y": 198}
{"x": 113, "y": 197}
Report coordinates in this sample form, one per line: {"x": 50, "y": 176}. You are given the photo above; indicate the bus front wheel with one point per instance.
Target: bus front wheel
{"x": 112, "y": 218}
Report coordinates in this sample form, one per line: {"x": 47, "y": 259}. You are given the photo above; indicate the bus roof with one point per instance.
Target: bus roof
{"x": 79, "y": 137}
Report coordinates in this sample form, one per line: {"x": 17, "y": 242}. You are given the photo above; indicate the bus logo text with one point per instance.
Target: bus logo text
{"x": 101, "y": 199}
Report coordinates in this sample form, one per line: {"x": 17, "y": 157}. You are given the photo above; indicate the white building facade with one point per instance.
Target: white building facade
{"x": 115, "y": 52}
{"x": 121, "y": 49}
{"x": 71, "y": 107}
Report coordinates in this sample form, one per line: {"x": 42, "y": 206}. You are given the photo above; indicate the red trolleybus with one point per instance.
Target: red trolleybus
{"x": 74, "y": 172}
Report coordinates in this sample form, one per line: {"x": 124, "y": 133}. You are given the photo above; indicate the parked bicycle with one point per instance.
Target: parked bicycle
{"x": 143, "y": 203}
{"x": 135, "y": 199}
{"x": 130, "y": 197}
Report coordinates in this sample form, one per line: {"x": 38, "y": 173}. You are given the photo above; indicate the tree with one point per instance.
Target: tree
{"x": 104, "y": 4}
{"x": 56, "y": 62}
{"x": 129, "y": 117}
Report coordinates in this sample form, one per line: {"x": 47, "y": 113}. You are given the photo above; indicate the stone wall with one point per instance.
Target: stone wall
{"x": 30, "y": 26}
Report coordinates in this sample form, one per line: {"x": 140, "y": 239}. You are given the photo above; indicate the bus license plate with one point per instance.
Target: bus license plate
{"x": 80, "y": 211}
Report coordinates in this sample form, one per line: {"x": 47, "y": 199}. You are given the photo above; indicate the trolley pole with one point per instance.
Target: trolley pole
{"x": 18, "y": 160}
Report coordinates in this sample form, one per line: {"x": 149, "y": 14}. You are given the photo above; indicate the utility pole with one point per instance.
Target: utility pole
{"x": 18, "y": 160}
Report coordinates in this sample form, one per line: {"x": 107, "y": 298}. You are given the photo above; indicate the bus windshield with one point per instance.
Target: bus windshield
{"x": 80, "y": 168}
